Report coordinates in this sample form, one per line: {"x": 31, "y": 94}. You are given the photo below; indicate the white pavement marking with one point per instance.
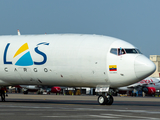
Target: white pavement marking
{"x": 105, "y": 116}
{"x": 7, "y": 114}
{"x": 76, "y": 116}
{"x": 132, "y": 111}
{"x": 130, "y": 116}
{"x": 25, "y": 107}
{"x": 100, "y": 116}
{"x": 54, "y": 116}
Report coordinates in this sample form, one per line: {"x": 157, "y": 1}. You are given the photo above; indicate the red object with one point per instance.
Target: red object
{"x": 112, "y": 69}
{"x": 151, "y": 90}
{"x": 18, "y": 86}
{"x": 55, "y": 89}
{"x": 4, "y": 88}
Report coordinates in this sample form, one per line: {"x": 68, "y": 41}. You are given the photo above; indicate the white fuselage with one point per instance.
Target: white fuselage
{"x": 69, "y": 60}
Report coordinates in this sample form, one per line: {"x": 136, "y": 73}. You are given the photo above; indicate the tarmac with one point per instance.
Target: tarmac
{"x": 49, "y": 107}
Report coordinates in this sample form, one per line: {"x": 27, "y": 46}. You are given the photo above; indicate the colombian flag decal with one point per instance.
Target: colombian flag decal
{"x": 112, "y": 67}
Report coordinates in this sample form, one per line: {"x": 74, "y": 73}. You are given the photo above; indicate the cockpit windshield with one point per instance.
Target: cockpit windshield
{"x": 131, "y": 51}
{"x": 121, "y": 51}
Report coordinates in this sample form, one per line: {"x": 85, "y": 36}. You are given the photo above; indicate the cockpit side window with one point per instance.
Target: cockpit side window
{"x": 121, "y": 51}
{"x": 114, "y": 51}
{"x": 138, "y": 51}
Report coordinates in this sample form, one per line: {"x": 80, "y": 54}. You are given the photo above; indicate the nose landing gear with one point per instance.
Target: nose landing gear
{"x": 105, "y": 100}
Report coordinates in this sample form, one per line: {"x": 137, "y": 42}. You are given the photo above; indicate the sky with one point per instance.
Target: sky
{"x": 135, "y": 21}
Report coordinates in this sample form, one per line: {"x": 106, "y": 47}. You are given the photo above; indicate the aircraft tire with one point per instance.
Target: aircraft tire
{"x": 102, "y": 99}
{"x": 109, "y": 100}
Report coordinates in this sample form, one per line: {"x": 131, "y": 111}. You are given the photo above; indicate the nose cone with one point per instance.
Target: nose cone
{"x": 143, "y": 67}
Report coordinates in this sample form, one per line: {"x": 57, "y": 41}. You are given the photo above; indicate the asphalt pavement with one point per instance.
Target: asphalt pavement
{"x": 47, "y": 107}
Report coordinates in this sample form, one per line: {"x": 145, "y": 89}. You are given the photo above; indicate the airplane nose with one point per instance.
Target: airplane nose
{"x": 143, "y": 67}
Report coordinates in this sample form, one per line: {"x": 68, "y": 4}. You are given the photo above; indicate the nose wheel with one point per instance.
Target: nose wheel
{"x": 105, "y": 100}
{"x": 102, "y": 99}
{"x": 110, "y": 100}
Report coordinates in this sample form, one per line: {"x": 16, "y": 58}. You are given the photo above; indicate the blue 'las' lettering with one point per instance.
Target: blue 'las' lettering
{"x": 41, "y": 53}
{"x": 5, "y": 55}
{"x": 26, "y": 59}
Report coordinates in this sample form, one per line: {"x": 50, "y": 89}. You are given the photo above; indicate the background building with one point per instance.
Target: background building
{"x": 156, "y": 60}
